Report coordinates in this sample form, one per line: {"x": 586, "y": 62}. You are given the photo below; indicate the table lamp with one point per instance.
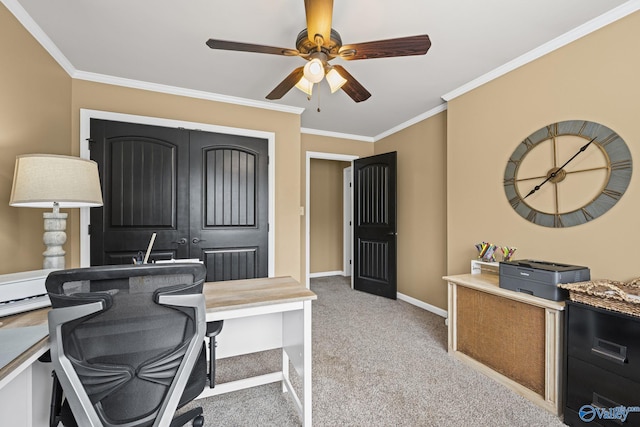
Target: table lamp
{"x": 48, "y": 180}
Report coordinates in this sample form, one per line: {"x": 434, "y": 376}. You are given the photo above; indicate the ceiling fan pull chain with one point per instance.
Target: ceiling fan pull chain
{"x": 318, "y": 98}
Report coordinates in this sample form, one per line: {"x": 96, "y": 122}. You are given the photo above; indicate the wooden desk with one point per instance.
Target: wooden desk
{"x": 259, "y": 314}
{"x": 512, "y": 337}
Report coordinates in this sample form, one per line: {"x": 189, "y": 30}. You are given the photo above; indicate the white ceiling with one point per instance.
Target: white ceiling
{"x": 163, "y": 42}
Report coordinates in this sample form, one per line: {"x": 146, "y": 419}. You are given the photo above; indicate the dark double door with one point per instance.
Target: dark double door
{"x": 204, "y": 194}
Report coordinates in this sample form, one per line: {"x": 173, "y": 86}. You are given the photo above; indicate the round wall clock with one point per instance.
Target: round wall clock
{"x": 567, "y": 173}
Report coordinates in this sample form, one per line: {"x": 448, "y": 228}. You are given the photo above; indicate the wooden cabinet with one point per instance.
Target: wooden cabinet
{"x": 602, "y": 365}
{"x": 511, "y": 337}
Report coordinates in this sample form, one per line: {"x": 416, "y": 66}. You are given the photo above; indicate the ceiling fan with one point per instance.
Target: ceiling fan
{"x": 319, "y": 44}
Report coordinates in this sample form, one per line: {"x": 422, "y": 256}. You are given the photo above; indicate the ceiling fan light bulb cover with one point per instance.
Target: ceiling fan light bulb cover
{"x": 305, "y": 85}
{"x": 335, "y": 80}
{"x": 314, "y": 70}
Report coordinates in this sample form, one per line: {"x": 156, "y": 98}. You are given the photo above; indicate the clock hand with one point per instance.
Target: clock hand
{"x": 555, "y": 173}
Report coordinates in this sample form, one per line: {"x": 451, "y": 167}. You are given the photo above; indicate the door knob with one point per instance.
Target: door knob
{"x": 182, "y": 241}
{"x": 196, "y": 240}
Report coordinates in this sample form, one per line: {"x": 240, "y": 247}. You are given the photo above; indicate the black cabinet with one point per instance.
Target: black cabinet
{"x": 602, "y": 371}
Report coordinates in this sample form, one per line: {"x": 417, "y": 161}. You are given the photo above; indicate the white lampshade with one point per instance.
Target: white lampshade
{"x": 305, "y": 85}
{"x": 314, "y": 70}
{"x": 335, "y": 80}
{"x": 43, "y": 180}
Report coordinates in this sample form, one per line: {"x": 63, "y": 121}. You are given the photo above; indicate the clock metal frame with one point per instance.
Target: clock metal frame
{"x": 619, "y": 167}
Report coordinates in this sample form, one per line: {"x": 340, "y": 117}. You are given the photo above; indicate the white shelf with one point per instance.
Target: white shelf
{"x": 479, "y": 266}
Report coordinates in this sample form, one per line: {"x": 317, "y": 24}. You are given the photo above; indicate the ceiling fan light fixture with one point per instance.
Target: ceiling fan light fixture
{"x": 335, "y": 80}
{"x": 305, "y": 85}
{"x": 314, "y": 70}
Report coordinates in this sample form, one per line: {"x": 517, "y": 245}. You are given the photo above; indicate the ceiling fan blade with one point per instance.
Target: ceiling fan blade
{"x": 286, "y": 85}
{"x": 319, "y": 15}
{"x": 352, "y": 87}
{"x": 404, "y": 46}
{"x": 249, "y": 47}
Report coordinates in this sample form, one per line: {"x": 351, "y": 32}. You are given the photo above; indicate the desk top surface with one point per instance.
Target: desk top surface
{"x": 219, "y": 296}
{"x": 488, "y": 282}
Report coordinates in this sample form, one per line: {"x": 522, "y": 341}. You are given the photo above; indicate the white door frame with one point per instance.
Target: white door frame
{"x": 323, "y": 156}
{"x": 85, "y": 133}
{"x": 347, "y": 235}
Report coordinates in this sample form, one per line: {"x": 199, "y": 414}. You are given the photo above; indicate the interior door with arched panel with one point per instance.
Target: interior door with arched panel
{"x": 144, "y": 172}
{"x": 229, "y": 206}
{"x": 375, "y": 225}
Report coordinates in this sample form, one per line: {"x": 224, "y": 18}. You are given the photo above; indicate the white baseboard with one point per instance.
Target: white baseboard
{"x": 326, "y": 273}
{"x": 431, "y": 308}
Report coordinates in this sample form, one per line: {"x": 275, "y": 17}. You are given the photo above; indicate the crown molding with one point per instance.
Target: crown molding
{"x": 191, "y": 93}
{"x": 587, "y": 28}
{"x": 337, "y": 135}
{"x": 436, "y": 110}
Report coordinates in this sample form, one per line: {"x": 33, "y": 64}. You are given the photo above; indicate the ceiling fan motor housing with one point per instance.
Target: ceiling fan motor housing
{"x": 329, "y": 47}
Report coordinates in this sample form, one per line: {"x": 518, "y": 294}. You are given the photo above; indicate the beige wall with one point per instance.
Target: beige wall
{"x": 35, "y": 96}
{"x": 594, "y": 78}
{"x": 422, "y": 213}
{"x": 326, "y": 228}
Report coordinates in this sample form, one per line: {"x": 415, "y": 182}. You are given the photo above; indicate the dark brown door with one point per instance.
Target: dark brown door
{"x": 200, "y": 192}
{"x": 375, "y": 232}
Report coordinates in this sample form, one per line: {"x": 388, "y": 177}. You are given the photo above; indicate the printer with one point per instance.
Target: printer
{"x": 540, "y": 278}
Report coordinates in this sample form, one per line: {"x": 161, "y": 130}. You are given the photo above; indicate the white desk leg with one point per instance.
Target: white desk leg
{"x": 296, "y": 337}
{"x": 306, "y": 379}
{"x": 285, "y": 370}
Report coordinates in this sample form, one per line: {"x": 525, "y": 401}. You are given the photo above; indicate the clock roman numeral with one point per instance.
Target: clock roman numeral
{"x": 586, "y": 214}
{"x": 532, "y": 216}
{"x": 515, "y": 202}
{"x": 608, "y": 140}
{"x": 620, "y": 165}
{"x": 557, "y": 221}
{"x": 612, "y": 193}
{"x": 528, "y": 143}
{"x": 552, "y": 130}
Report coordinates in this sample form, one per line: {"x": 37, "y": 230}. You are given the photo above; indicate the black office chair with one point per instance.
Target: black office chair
{"x": 127, "y": 344}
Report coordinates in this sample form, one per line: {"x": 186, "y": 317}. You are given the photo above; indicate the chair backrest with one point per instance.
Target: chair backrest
{"x": 124, "y": 339}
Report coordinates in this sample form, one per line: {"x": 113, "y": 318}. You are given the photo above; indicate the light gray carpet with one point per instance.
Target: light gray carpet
{"x": 376, "y": 362}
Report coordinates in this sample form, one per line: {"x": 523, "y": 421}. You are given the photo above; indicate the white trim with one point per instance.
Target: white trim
{"x": 436, "y": 110}
{"x": 347, "y": 220}
{"x": 191, "y": 93}
{"x": 85, "y": 121}
{"x": 421, "y": 304}
{"x": 337, "y": 135}
{"x": 560, "y": 41}
{"x": 326, "y": 274}
{"x": 324, "y": 156}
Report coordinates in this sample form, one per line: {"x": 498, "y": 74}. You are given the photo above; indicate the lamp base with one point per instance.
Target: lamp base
{"x": 55, "y": 224}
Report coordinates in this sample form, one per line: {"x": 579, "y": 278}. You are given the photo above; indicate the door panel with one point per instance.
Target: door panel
{"x": 143, "y": 171}
{"x": 229, "y": 219}
{"x": 375, "y": 236}
{"x": 205, "y": 195}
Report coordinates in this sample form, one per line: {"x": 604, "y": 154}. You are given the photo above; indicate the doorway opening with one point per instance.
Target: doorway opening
{"x": 322, "y": 156}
